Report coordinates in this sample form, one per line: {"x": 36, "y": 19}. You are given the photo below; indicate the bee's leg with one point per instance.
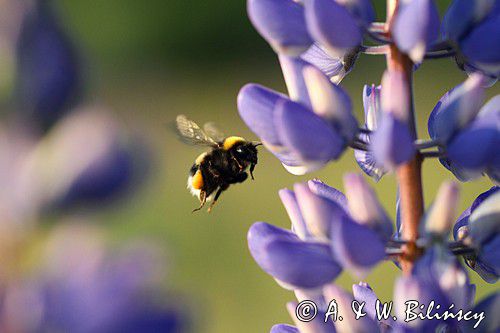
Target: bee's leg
{"x": 219, "y": 191}
{"x": 203, "y": 200}
{"x": 252, "y": 167}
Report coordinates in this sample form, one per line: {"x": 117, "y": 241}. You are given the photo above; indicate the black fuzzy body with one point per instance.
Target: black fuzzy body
{"x": 221, "y": 168}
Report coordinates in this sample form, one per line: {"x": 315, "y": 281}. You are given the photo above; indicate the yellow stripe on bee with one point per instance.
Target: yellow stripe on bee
{"x": 197, "y": 181}
{"x": 229, "y": 142}
{"x": 200, "y": 158}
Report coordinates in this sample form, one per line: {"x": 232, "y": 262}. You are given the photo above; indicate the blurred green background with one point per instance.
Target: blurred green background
{"x": 151, "y": 60}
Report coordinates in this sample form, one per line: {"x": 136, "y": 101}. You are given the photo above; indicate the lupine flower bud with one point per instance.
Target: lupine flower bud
{"x": 416, "y": 27}
{"x": 319, "y": 213}
{"x": 364, "y": 206}
{"x": 299, "y": 226}
{"x": 392, "y": 143}
{"x": 281, "y": 23}
{"x": 440, "y": 218}
{"x": 331, "y": 24}
{"x": 330, "y": 102}
{"x": 292, "y": 69}
{"x": 456, "y": 109}
{"x": 283, "y": 255}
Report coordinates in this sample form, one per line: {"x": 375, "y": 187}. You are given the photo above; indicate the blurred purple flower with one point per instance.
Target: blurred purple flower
{"x": 87, "y": 158}
{"x": 82, "y": 286}
{"x": 48, "y": 78}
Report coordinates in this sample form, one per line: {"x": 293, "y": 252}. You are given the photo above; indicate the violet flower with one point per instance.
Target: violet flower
{"x": 318, "y": 42}
{"x": 473, "y": 27}
{"x": 83, "y": 286}
{"x": 327, "y": 234}
{"x": 48, "y": 79}
{"x": 307, "y": 130}
{"x": 468, "y": 133}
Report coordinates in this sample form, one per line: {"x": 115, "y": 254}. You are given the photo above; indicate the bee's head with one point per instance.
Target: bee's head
{"x": 245, "y": 152}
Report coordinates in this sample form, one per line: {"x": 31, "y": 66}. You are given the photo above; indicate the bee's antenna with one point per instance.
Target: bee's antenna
{"x": 257, "y": 143}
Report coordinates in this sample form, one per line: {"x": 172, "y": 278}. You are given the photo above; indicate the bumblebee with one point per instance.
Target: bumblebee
{"x": 214, "y": 171}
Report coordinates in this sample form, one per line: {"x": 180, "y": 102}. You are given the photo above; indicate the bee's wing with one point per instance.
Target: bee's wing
{"x": 191, "y": 133}
{"x": 213, "y": 132}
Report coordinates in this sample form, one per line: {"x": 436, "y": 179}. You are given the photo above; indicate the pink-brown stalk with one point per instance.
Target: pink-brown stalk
{"x": 409, "y": 175}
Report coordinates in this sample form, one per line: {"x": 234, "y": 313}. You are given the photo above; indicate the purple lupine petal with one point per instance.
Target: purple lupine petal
{"x": 445, "y": 277}
{"x": 317, "y": 325}
{"x": 357, "y": 247}
{"x": 490, "y": 255}
{"x": 482, "y": 44}
{"x": 281, "y": 23}
{"x": 333, "y": 68}
{"x": 474, "y": 148}
{"x": 349, "y": 323}
{"x": 411, "y": 288}
{"x": 325, "y": 191}
{"x": 459, "y": 172}
{"x": 332, "y": 26}
{"x": 394, "y": 97}
{"x": 299, "y": 226}
{"x": 491, "y": 108}
{"x": 307, "y": 134}
{"x": 319, "y": 213}
{"x": 292, "y": 69}
{"x": 416, "y": 26}
{"x": 364, "y": 293}
{"x": 392, "y": 143}
{"x": 256, "y": 105}
{"x": 368, "y": 164}
{"x": 491, "y": 323}
{"x": 288, "y": 259}
{"x": 372, "y": 105}
{"x": 284, "y": 328}
{"x": 330, "y": 102}
{"x": 364, "y": 206}
{"x": 315, "y": 295}
{"x": 484, "y": 234}
{"x": 456, "y": 109}
{"x": 484, "y": 221}
{"x": 462, "y": 15}
{"x": 439, "y": 219}
{"x": 360, "y": 9}
{"x": 372, "y": 109}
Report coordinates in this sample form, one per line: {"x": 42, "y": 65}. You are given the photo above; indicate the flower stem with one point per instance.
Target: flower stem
{"x": 409, "y": 175}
